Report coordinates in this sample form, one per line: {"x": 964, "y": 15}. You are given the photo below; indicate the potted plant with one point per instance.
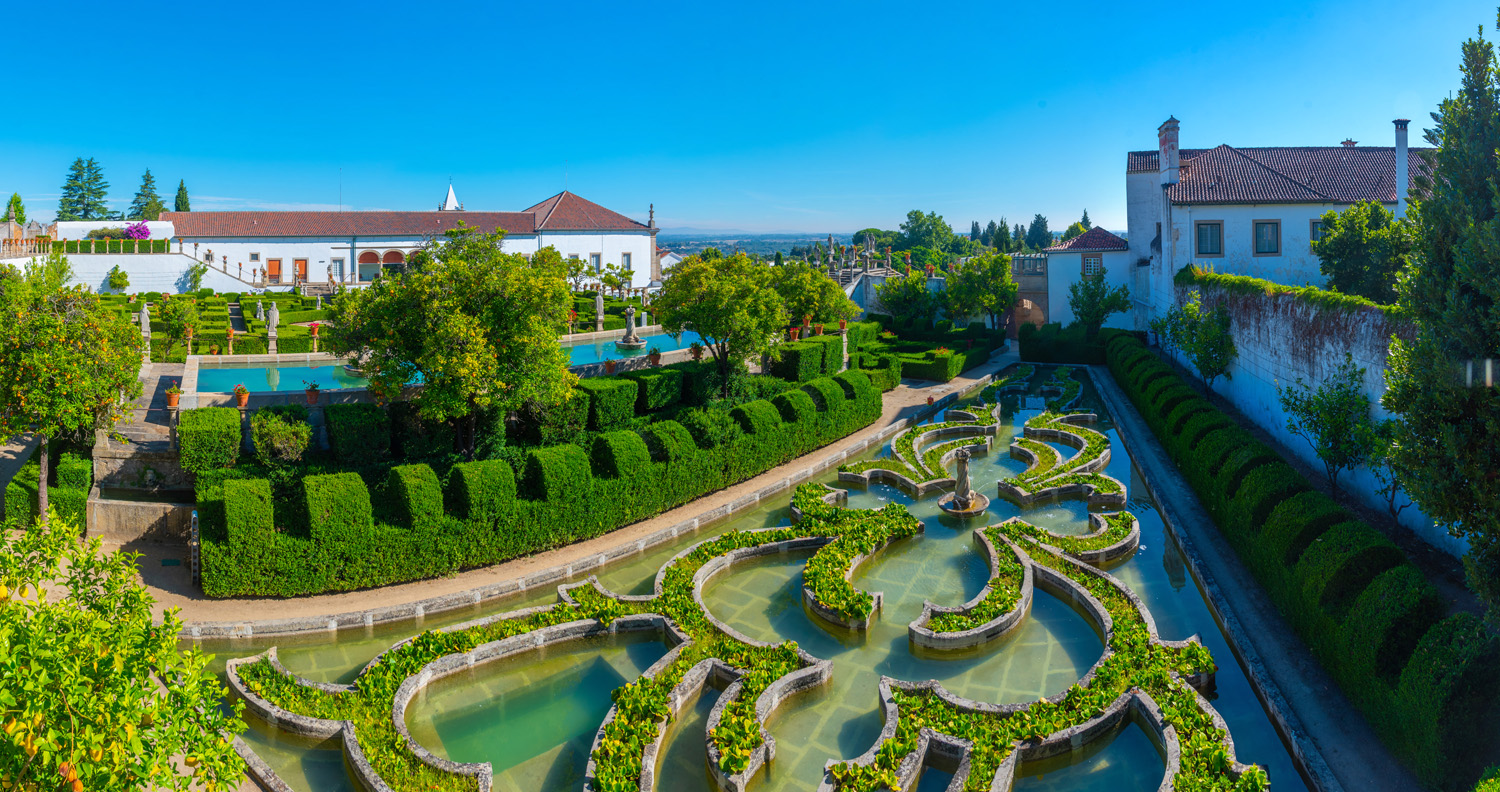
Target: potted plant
{"x": 843, "y": 325}
{"x": 791, "y": 333}
{"x": 655, "y": 356}
{"x": 806, "y": 320}
{"x": 929, "y": 401}
{"x": 609, "y": 366}
{"x": 312, "y": 391}
{"x": 173, "y": 394}
{"x": 818, "y": 329}
{"x": 241, "y": 395}
{"x": 696, "y": 349}
{"x": 314, "y": 328}
{"x": 213, "y": 349}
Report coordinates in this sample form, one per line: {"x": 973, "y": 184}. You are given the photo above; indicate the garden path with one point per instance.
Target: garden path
{"x": 172, "y": 588}
{"x": 13, "y": 454}
{"x": 1323, "y": 723}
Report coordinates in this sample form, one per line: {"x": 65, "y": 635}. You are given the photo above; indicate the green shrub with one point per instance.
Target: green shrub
{"x": 1385, "y": 623}
{"x": 1263, "y": 489}
{"x": 483, "y": 492}
{"x": 415, "y": 496}
{"x": 1054, "y": 344}
{"x": 659, "y": 388}
{"x": 1447, "y": 692}
{"x": 556, "y": 473}
{"x": 619, "y": 454}
{"x": 757, "y": 418}
{"x": 795, "y": 407}
{"x": 21, "y": 493}
{"x": 1339, "y": 564}
{"x": 338, "y": 507}
{"x": 611, "y": 401}
{"x": 800, "y": 361}
{"x": 669, "y": 441}
{"x": 75, "y": 472}
{"x": 418, "y": 438}
{"x": 208, "y": 438}
{"x": 826, "y": 394}
{"x": 248, "y": 513}
{"x": 699, "y": 379}
{"x": 710, "y": 428}
{"x": 358, "y": 433}
{"x": 1293, "y": 525}
{"x": 280, "y": 434}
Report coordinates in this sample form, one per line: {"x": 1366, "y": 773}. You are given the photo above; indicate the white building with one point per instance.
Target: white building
{"x": 1091, "y": 252}
{"x": 280, "y": 248}
{"x": 1248, "y": 211}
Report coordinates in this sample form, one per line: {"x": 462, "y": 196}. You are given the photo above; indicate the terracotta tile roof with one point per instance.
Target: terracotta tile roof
{"x": 567, "y": 212}
{"x": 1095, "y": 239}
{"x": 1302, "y": 174}
{"x": 342, "y": 224}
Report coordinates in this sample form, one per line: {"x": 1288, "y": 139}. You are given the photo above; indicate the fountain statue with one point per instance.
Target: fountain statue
{"x": 631, "y": 340}
{"x": 963, "y": 500}
{"x": 598, "y": 312}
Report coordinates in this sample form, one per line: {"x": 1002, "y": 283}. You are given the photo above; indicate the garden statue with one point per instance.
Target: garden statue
{"x": 963, "y": 500}
{"x": 320, "y": 302}
{"x": 631, "y": 340}
{"x": 273, "y": 318}
{"x": 598, "y": 311}
{"x": 145, "y": 318}
{"x": 260, "y": 311}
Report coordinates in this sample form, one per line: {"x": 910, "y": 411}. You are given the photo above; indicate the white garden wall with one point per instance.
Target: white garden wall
{"x": 164, "y": 272}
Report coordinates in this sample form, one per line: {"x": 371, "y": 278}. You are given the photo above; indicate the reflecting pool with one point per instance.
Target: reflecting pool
{"x": 597, "y": 351}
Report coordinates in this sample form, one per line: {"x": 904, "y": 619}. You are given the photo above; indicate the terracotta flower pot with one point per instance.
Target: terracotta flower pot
{"x": 818, "y": 330}
{"x": 698, "y": 353}
{"x": 172, "y": 399}
{"x": 843, "y": 324}
{"x": 609, "y": 367}
{"x": 655, "y": 357}
{"x": 791, "y": 334}
{"x": 312, "y": 396}
{"x": 929, "y": 401}
{"x": 242, "y": 399}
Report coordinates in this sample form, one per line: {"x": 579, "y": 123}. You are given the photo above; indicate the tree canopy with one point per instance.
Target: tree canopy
{"x": 1364, "y": 247}
{"x": 69, "y": 363}
{"x": 928, "y": 230}
{"x": 15, "y": 210}
{"x": 982, "y": 285}
{"x": 730, "y": 302}
{"x": 1038, "y": 236}
{"x": 94, "y": 693}
{"x": 1448, "y": 452}
{"x": 1075, "y": 230}
{"x": 182, "y": 204}
{"x": 178, "y": 318}
{"x": 84, "y": 192}
{"x": 907, "y": 299}
{"x": 1203, "y": 334}
{"x": 807, "y": 292}
{"x": 475, "y": 325}
{"x": 1334, "y": 418}
{"x": 1093, "y": 300}
{"x": 147, "y": 204}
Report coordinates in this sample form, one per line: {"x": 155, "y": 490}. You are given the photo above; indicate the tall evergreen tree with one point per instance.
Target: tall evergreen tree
{"x": 182, "y": 204}
{"x": 974, "y": 231}
{"x": 15, "y": 210}
{"x": 1088, "y": 225}
{"x": 1448, "y": 452}
{"x": 1038, "y": 237}
{"x": 989, "y": 234}
{"x": 1000, "y": 238}
{"x": 147, "y": 204}
{"x": 83, "y": 193}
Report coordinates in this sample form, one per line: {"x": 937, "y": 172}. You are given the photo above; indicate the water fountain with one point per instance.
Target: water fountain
{"x": 631, "y": 340}
{"x": 963, "y": 500}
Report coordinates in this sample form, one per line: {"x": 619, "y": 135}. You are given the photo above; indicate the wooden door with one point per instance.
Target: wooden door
{"x": 273, "y": 270}
{"x": 301, "y": 265}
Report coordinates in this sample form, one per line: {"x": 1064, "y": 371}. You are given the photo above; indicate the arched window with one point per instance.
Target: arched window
{"x": 369, "y": 257}
{"x": 393, "y": 257}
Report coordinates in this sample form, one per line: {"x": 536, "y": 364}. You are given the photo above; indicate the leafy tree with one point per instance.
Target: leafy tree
{"x": 807, "y": 292}
{"x": 1364, "y": 247}
{"x": 182, "y": 204}
{"x": 1333, "y": 418}
{"x": 1168, "y": 330}
{"x": 1075, "y": 230}
{"x": 476, "y": 324}
{"x": 713, "y": 254}
{"x": 881, "y": 239}
{"x": 147, "y": 204}
{"x": 15, "y": 210}
{"x": 1092, "y": 300}
{"x": 1038, "y": 237}
{"x": 576, "y": 271}
{"x": 69, "y": 363}
{"x": 907, "y": 299}
{"x": 83, "y": 193}
{"x": 118, "y": 279}
{"x": 1448, "y": 454}
{"x": 178, "y": 317}
{"x": 195, "y": 275}
{"x": 730, "y": 302}
{"x": 94, "y": 693}
{"x": 925, "y": 230}
{"x": 1203, "y": 333}
{"x": 975, "y": 233}
{"x": 779, "y": 260}
{"x": 1088, "y": 225}
{"x": 1383, "y": 438}
{"x": 924, "y": 257}
{"x": 983, "y": 284}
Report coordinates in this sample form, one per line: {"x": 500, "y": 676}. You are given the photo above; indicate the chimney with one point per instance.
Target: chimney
{"x": 1350, "y": 143}
{"x": 1166, "y": 142}
{"x": 1403, "y": 182}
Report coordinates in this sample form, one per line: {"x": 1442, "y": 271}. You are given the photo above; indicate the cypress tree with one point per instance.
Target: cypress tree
{"x": 15, "y": 210}
{"x": 974, "y": 232}
{"x": 1448, "y": 453}
{"x": 182, "y": 204}
{"x": 989, "y": 234}
{"x": 147, "y": 204}
{"x": 1018, "y": 237}
{"x": 1088, "y": 225}
{"x": 1000, "y": 237}
{"x": 1038, "y": 237}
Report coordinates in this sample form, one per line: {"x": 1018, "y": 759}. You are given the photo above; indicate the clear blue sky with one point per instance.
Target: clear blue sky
{"x": 761, "y": 116}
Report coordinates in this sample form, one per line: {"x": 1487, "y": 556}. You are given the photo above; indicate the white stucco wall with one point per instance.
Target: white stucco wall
{"x": 612, "y": 248}
{"x": 147, "y": 272}
{"x": 1295, "y": 266}
{"x": 1066, "y": 269}
{"x": 79, "y": 229}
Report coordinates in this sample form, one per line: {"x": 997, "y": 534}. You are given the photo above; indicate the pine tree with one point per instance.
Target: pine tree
{"x": 989, "y": 234}
{"x": 147, "y": 204}
{"x": 92, "y": 193}
{"x": 71, "y": 205}
{"x": 182, "y": 204}
{"x": 1018, "y": 237}
{"x": 15, "y": 210}
{"x": 1088, "y": 225}
{"x": 1448, "y": 454}
{"x": 1038, "y": 237}
{"x": 1000, "y": 239}
{"x": 974, "y": 231}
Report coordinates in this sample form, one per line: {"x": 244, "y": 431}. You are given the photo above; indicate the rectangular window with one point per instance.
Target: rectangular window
{"x": 595, "y": 261}
{"x": 1315, "y": 230}
{"x": 255, "y": 257}
{"x": 1210, "y": 235}
{"x": 338, "y": 269}
{"x": 625, "y": 260}
{"x": 1092, "y": 265}
{"x": 1267, "y": 237}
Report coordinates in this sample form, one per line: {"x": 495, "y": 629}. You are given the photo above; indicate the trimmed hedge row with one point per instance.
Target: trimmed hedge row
{"x": 1427, "y": 684}
{"x": 944, "y": 366}
{"x": 208, "y": 438}
{"x": 68, "y": 498}
{"x": 358, "y": 433}
{"x": 563, "y": 494}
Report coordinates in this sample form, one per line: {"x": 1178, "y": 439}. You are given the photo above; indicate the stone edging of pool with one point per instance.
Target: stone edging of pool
{"x": 1305, "y": 754}
{"x": 920, "y": 634}
{"x": 461, "y": 599}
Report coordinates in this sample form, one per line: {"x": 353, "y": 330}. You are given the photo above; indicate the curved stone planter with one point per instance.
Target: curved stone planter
{"x": 1085, "y": 490}
{"x": 921, "y": 635}
{"x": 1110, "y": 553}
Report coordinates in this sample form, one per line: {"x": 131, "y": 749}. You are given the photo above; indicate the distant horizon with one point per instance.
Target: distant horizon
{"x": 797, "y": 140}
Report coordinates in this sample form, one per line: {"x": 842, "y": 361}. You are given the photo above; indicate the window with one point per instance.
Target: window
{"x": 625, "y": 260}
{"x": 1267, "y": 237}
{"x": 1210, "y": 235}
{"x": 338, "y": 269}
{"x": 595, "y": 261}
{"x": 255, "y": 257}
{"x": 1092, "y": 265}
{"x": 1315, "y": 230}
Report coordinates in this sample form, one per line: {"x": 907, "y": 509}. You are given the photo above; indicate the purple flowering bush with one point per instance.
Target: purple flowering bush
{"x": 137, "y": 231}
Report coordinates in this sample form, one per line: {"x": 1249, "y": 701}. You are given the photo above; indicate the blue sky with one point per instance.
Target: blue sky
{"x": 765, "y": 117}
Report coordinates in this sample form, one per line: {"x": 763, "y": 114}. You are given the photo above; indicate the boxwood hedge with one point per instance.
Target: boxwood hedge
{"x": 359, "y": 433}
{"x": 208, "y": 438}
{"x": 1427, "y": 684}
{"x": 611, "y": 401}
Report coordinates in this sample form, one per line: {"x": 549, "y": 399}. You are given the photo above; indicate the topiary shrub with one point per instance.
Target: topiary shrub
{"x": 1338, "y": 565}
{"x": 337, "y": 507}
{"x": 795, "y": 407}
{"x": 756, "y": 418}
{"x": 611, "y": 401}
{"x": 358, "y": 433}
{"x": 1263, "y": 489}
{"x": 826, "y": 394}
{"x": 619, "y": 454}
{"x": 1385, "y": 623}
{"x": 21, "y": 495}
{"x": 208, "y": 438}
{"x": 710, "y": 427}
{"x": 669, "y": 441}
{"x": 800, "y": 361}
{"x": 658, "y": 388}
{"x": 248, "y": 513}
{"x": 74, "y": 472}
{"x": 416, "y": 498}
{"x": 280, "y": 434}
{"x": 556, "y": 474}
{"x": 481, "y": 491}
{"x": 1447, "y": 694}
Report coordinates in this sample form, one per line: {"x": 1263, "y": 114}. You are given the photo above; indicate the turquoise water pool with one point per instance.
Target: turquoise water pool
{"x": 598, "y": 351}
{"x": 263, "y": 378}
